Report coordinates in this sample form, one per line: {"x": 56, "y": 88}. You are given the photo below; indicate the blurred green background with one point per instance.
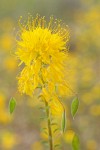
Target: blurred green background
{"x": 21, "y": 131}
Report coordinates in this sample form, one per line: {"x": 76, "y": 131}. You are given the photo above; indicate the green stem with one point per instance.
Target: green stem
{"x": 49, "y": 126}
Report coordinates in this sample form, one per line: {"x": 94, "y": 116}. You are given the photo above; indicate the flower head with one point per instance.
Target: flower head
{"x": 42, "y": 48}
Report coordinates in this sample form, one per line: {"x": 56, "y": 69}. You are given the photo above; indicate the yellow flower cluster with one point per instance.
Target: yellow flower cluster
{"x": 7, "y": 43}
{"x": 43, "y": 51}
{"x": 89, "y": 22}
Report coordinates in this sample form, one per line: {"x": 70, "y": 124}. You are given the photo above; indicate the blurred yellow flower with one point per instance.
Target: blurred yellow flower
{"x": 37, "y": 145}
{"x": 69, "y": 136}
{"x": 89, "y": 22}
{"x": 8, "y": 140}
{"x": 2, "y": 101}
{"x": 92, "y": 95}
{"x": 87, "y": 98}
{"x": 6, "y": 42}
{"x": 4, "y": 116}
{"x": 91, "y": 145}
{"x": 10, "y": 64}
{"x": 95, "y": 110}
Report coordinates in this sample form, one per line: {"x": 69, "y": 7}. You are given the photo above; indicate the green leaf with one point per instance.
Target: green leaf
{"x": 57, "y": 145}
{"x": 57, "y": 129}
{"x": 63, "y": 122}
{"x": 74, "y": 106}
{"x": 54, "y": 124}
{"x": 12, "y": 105}
{"x": 45, "y": 143}
{"x": 75, "y": 143}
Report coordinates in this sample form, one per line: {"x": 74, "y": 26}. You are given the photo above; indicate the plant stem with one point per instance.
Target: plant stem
{"x": 49, "y": 126}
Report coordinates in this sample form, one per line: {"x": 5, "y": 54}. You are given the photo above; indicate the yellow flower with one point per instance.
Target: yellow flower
{"x": 2, "y": 101}
{"x": 95, "y": 110}
{"x": 10, "y": 64}
{"x": 37, "y": 145}
{"x": 91, "y": 145}
{"x": 4, "y": 117}
{"x": 43, "y": 52}
{"x": 56, "y": 106}
{"x": 26, "y": 80}
{"x": 8, "y": 140}
{"x": 69, "y": 136}
{"x": 6, "y": 42}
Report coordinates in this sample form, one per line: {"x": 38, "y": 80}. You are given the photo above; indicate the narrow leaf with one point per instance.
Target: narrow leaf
{"x": 12, "y": 105}
{"x": 54, "y": 124}
{"x": 75, "y": 143}
{"x": 63, "y": 122}
{"x": 45, "y": 143}
{"x": 57, "y": 145}
{"x": 43, "y": 129}
{"x": 57, "y": 129}
{"x": 74, "y": 106}
{"x": 44, "y": 118}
